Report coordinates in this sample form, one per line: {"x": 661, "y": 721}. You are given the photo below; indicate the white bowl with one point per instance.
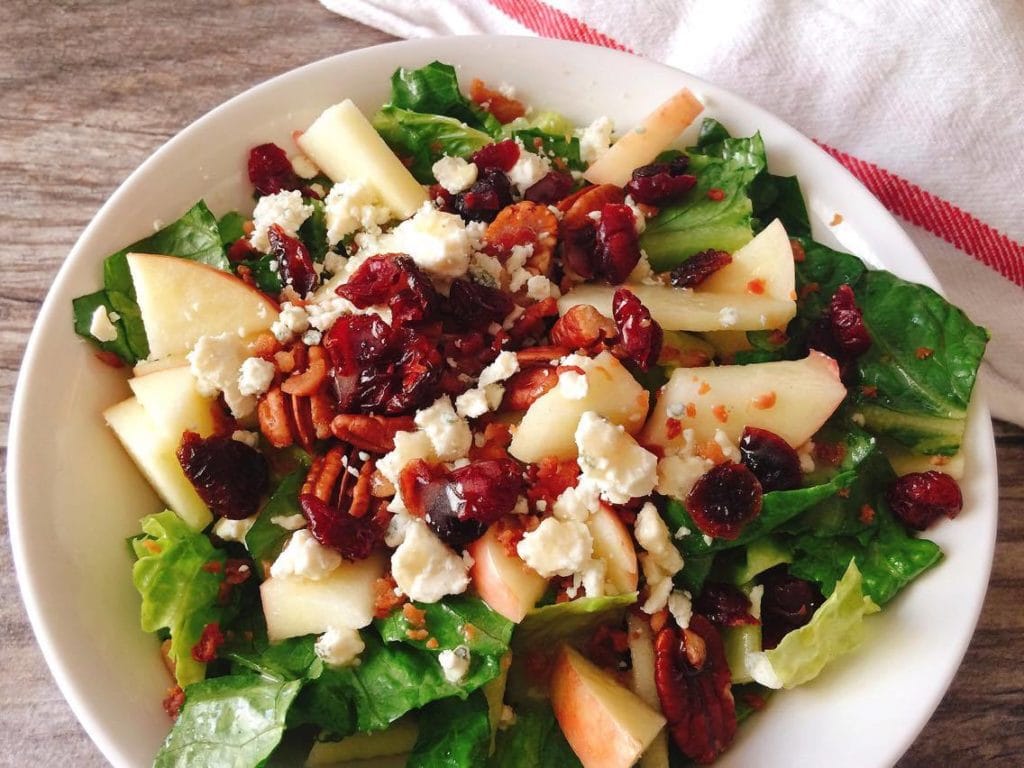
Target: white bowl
{"x": 74, "y": 496}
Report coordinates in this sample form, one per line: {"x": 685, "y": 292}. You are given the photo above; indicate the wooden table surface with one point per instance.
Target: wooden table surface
{"x": 89, "y": 89}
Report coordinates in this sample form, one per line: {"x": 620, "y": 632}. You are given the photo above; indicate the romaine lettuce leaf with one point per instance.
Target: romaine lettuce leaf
{"x": 534, "y": 741}
{"x": 836, "y": 628}
{"x": 546, "y": 628}
{"x": 434, "y": 90}
{"x": 237, "y": 720}
{"x": 452, "y": 734}
{"x": 552, "y": 145}
{"x": 454, "y": 621}
{"x": 266, "y": 538}
{"x": 422, "y": 139}
{"x": 179, "y": 588}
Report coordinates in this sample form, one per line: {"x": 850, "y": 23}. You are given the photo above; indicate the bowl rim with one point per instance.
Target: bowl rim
{"x": 18, "y": 495}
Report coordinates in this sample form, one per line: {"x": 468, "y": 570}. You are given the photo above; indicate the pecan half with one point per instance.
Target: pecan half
{"x": 525, "y": 223}
{"x": 695, "y": 689}
{"x": 310, "y": 380}
{"x": 286, "y": 419}
{"x": 577, "y": 230}
{"x": 341, "y": 480}
{"x": 583, "y": 327}
{"x": 523, "y": 388}
{"x": 375, "y": 434}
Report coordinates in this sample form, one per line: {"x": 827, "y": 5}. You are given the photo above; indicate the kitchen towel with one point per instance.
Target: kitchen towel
{"x": 923, "y": 103}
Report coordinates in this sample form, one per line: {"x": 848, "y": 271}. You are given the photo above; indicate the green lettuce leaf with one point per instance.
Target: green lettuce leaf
{"x": 447, "y": 623}
{"x": 231, "y": 227}
{"x": 236, "y": 720}
{"x": 552, "y": 145}
{"x": 422, "y": 139}
{"x": 534, "y": 741}
{"x": 434, "y": 90}
{"x": 313, "y": 231}
{"x": 547, "y": 627}
{"x": 266, "y": 538}
{"x": 179, "y": 590}
{"x": 452, "y": 734}
{"x": 82, "y": 309}
{"x": 837, "y": 627}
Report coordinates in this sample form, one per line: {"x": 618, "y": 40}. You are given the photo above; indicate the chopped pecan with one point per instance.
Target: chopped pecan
{"x": 375, "y": 434}
{"x": 577, "y": 230}
{"x": 540, "y": 355}
{"x": 288, "y": 419}
{"x": 497, "y": 438}
{"x": 525, "y": 223}
{"x": 533, "y": 321}
{"x": 525, "y": 387}
{"x": 309, "y": 381}
{"x": 695, "y": 689}
{"x": 341, "y": 479}
{"x": 583, "y": 327}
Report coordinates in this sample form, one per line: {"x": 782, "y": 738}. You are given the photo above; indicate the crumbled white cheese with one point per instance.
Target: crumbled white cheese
{"x": 728, "y": 317}
{"x": 639, "y": 221}
{"x": 756, "y": 595}
{"x": 576, "y": 503}
{"x": 305, "y": 557}
{"x": 303, "y": 166}
{"x": 454, "y": 174}
{"x": 729, "y": 449}
{"x": 652, "y": 534}
{"x": 512, "y": 316}
{"x": 515, "y": 266}
{"x": 409, "y": 446}
{"x": 339, "y": 647}
{"x": 474, "y": 402}
{"x": 572, "y": 385}
{"x": 289, "y": 522}
{"x": 504, "y": 366}
{"x": 612, "y": 461}
{"x": 353, "y": 205}
{"x": 101, "y": 326}
{"x": 335, "y": 262}
{"x": 489, "y": 391}
{"x": 215, "y": 363}
{"x": 312, "y": 337}
{"x": 448, "y": 432}
{"x": 595, "y": 139}
{"x": 486, "y": 270}
{"x": 397, "y": 527}
{"x": 556, "y": 547}
{"x": 285, "y": 209}
{"x": 233, "y": 530}
{"x": 252, "y": 439}
{"x": 424, "y": 568}
{"x": 680, "y": 605}
{"x": 454, "y": 663}
{"x": 291, "y": 321}
{"x": 255, "y": 376}
{"x": 677, "y": 474}
{"x": 659, "y": 588}
{"x": 528, "y": 170}
{"x": 440, "y": 243}
{"x": 539, "y": 288}
{"x": 806, "y": 455}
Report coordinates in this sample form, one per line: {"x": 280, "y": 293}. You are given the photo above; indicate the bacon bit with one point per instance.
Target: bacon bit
{"x": 384, "y": 598}
{"x": 716, "y": 194}
{"x": 843, "y": 493}
{"x": 109, "y": 358}
{"x": 152, "y": 546}
{"x": 549, "y": 478}
{"x": 704, "y": 388}
{"x": 867, "y": 514}
{"x": 765, "y": 401}
{"x": 495, "y": 102}
{"x": 417, "y": 634}
{"x": 511, "y": 529}
{"x": 213, "y": 566}
{"x": 808, "y": 288}
{"x": 415, "y": 616}
{"x": 756, "y": 286}
{"x": 923, "y": 353}
{"x": 869, "y": 390}
{"x": 174, "y": 701}
{"x": 673, "y": 428}
{"x": 691, "y": 410}
{"x": 939, "y": 461}
{"x": 658, "y": 620}
{"x": 497, "y": 439}
{"x": 469, "y": 631}
{"x": 829, "y": 453}
{"x": 266, "y": 346}
{"x": 711, "y": 451}
{"x": 799, "y": 254}
{"x": 836, "y": 220}
{"x": 721, "y": 413}
{"x": 432, "y": 643}
{"x": 210, "y": 640}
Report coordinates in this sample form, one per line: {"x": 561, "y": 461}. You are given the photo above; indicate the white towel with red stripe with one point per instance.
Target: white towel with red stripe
{"x": 925, "y": 108}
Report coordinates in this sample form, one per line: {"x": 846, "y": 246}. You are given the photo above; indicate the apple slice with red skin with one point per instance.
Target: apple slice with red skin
{"x": 503, "y": 581}
{"x": 614, "y": 545}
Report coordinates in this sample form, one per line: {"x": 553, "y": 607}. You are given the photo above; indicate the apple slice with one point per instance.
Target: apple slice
{"x": 182, "y": 300}
{"x": 153, "y": 450}
{"x": 345, "y": 145}
{"x": 641, "y": 680}
{"x": 146, "y": 367}
{"x": 614, "y": 546}
{"x": 643, "y": 143}
{"x": 762, "y": 267}
{"x": 791, "y": 398}
{"x": 343, "y": 599}
{"x": 172, "y": 402}
{"x": 397, "y": 738}
{"x": 606, "y": 724}
{"x": 682, "y": 309}
{"x": 504, "y": 581}
{"x": 549, "y": 425}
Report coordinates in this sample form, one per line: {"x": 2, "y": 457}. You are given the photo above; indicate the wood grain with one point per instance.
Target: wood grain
{"x": 90, "y": 89}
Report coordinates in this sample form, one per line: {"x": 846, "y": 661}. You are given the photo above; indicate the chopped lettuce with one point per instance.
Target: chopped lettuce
{"x": 454, "y": 621}
{"x": 453, "y": 734}
{"x": 179, "y": 588}
{"x": 434, "y": 90}
{"x": 534, "y": 741}
{"x": 236, "y": 720}
{"x": 836, "y": 628}
{"x": 552, "y": 146}
{"x": 547, "y": 627}
{"x": 266, "y": 538}
{"x": 421, "y": 139}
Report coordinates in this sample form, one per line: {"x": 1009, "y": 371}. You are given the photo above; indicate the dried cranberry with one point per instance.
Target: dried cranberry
{"x": 919, "y": 499}
{"x": 579, "y": 246}
{"x": 788, "y": 603}
{"x": 472, "y": 305}
{"x": 698, "y": 268}
{"x": 618, "y": 249}
{"x": 486, "y": 197}
{"x": 724, "y": 499}
{"x": 352, "y": 537}
{"x": 294, "y": 262}
{"x": 229, "y": 476}
{"x": 551, "y": 188}
{"x": 500, "y": 156}
{"x": 724, "y": 604}
{"x": 211, "y": 639}
{"x": 847, "y": 324}
{"x": 660, "y": 183}
{"x": 458, "y": 505}
{"x": 395, "y": 280}
{"x": 270, "y": 170}
{"x": 772, "y": 460}
{"x": 640, "y": 336}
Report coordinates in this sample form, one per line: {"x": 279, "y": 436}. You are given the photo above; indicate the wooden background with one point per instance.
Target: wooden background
{"x": 88, "y": 89}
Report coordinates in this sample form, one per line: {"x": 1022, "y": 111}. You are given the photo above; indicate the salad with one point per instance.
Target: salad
{"x": 490, "y": 439}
